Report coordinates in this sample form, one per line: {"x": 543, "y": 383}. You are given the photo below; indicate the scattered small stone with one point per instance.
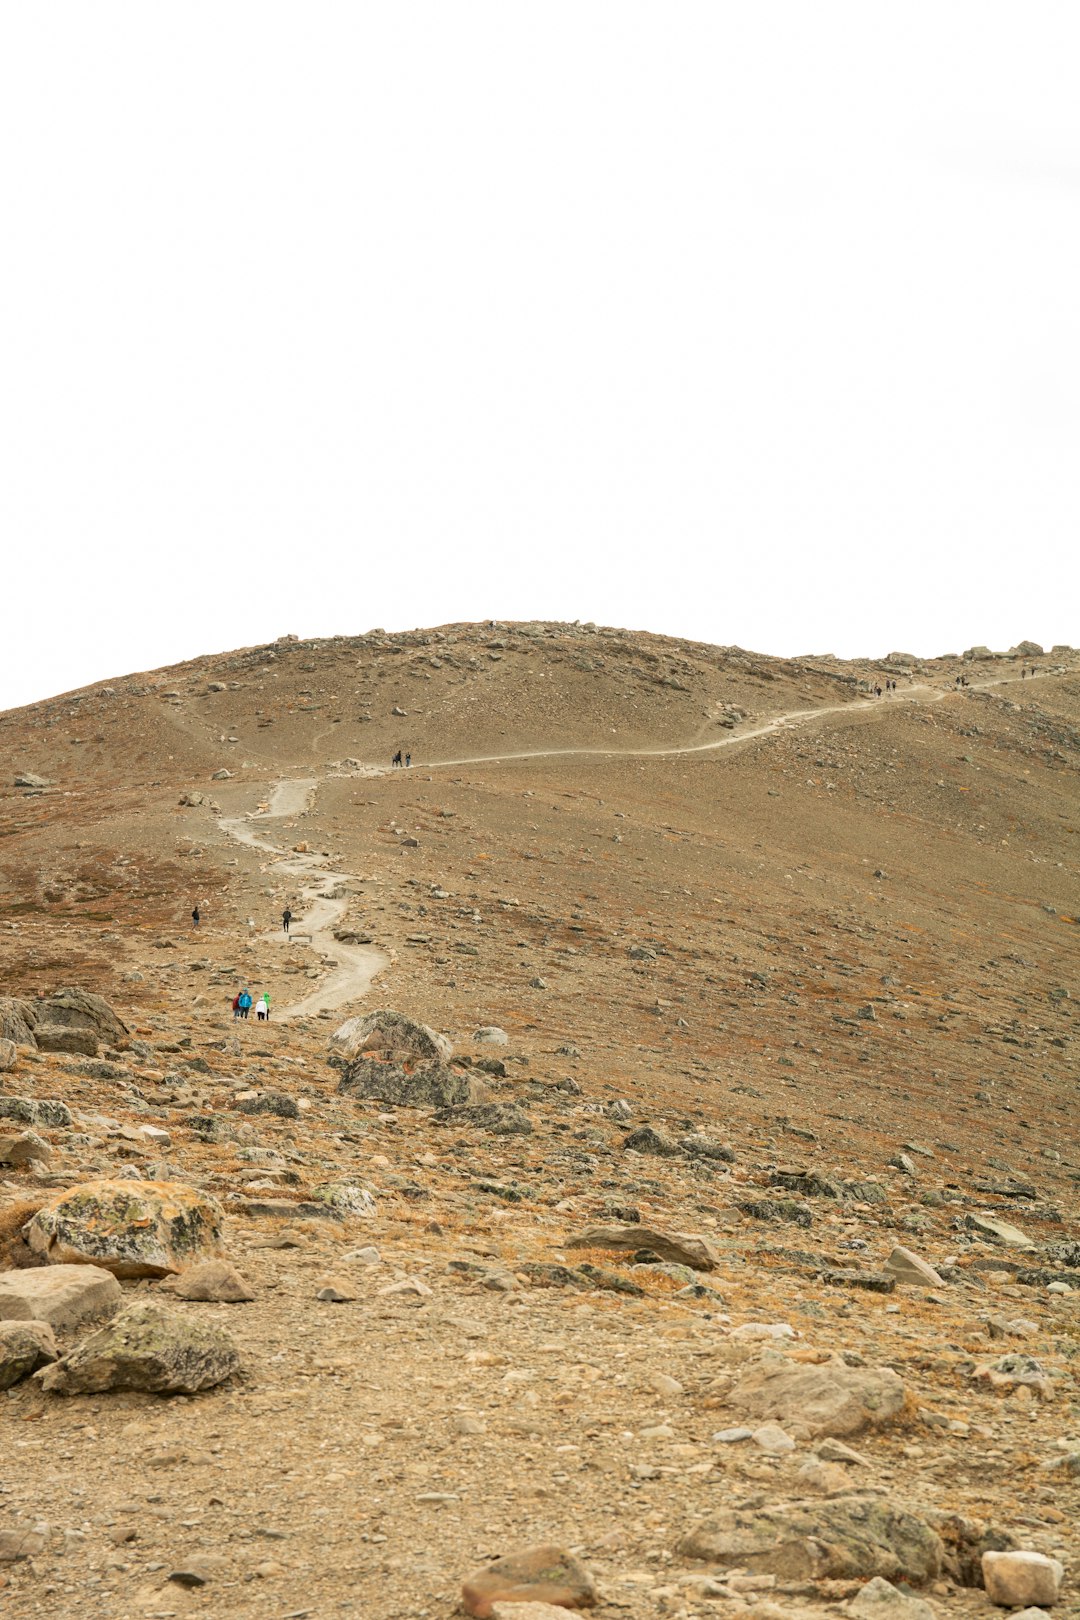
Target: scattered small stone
{"x": 217, "y": 1281}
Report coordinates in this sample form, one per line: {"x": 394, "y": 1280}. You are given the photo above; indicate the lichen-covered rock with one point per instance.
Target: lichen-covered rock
{"x": 850, "y": 1537}
{"x": 24, "y": 1346}
{"x": 814, "y": 1401}
{"x": 429, "y": 1085}
{"x": 132, "y": 1228}
{"x": 9, "y": 1054}
{"x": 391, "y": 1036}
{"x": 146, "y": 1348}
{"x": 345, "y": 1198}
{"x": 36, "y": 1111}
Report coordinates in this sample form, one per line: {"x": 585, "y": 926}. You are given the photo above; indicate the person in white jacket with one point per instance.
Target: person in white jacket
{"x": 260, "y": 1010}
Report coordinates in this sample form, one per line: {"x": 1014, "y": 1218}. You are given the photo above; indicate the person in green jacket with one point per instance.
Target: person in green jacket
{"x": 266, "y": 998}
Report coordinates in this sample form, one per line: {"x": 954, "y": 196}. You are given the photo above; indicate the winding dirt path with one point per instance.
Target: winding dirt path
{"x": 357, "y": 966}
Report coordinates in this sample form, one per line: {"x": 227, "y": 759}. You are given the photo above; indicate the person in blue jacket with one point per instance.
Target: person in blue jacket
{"x": 245, "y": 1003}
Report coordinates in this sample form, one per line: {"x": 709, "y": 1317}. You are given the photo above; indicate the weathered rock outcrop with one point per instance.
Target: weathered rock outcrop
{"x": 76, "y": 1021}
{"x": 132, "y": 1228}
{"x": 831, "y": 1399}
{"x": 851, "y": 1537}
{"x": 24, "y": 1346}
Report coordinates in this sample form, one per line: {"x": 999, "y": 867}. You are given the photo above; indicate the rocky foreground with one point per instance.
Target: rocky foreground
{"x": 297, "y": 1323}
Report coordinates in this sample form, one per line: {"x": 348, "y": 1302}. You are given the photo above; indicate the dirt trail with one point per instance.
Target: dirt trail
{"x": 357, "y": 965}
{"x": 882, "y": 705}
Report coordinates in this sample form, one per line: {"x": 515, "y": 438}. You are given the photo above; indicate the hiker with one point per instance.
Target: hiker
{"x": 195, "y": 918}
{"x": 1023, "y": 674}
{"x": 286, "y": 919}
{"x": 397, "y": 758}
{"x": 245, "y": 1003}
{"x": 260, "y": 1010}
{"x": 266, "y": 1002}
{"x": 236, "y": 1005}
{"x": 408, "y": 761}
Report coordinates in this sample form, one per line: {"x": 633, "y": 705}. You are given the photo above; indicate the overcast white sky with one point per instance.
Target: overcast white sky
{"x": 754, "y": 322}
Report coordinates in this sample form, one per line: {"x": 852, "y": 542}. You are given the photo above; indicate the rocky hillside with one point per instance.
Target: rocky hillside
{"x": 689, "y": 1192}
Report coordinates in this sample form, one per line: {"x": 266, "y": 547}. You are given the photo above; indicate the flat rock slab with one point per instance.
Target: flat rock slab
{"x": 677, "y": 1248}
{"x": 855, "y": 1536}
{"x": 544, "y": 1575}
{"x": 814, "y": 1401}
{"x": 62, "y": 1296}
{"x": 146, "y": 1348}
{"x": 1002, "y": 1232}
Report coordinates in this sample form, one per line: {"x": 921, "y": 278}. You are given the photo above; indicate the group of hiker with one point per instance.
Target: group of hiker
{"x": 399, "y": 760}
{"x": 242, "y": 1005}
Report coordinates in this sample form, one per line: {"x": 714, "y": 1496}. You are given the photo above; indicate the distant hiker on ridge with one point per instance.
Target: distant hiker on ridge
{"x": 245, "y": 1003}
{"x": 286, "y": 919}
{"x": 195, "y": 918}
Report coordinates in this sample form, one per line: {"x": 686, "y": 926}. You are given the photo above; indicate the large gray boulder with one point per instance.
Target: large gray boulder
{"x": 131, "y": 1228}
{"x": 146, "y": 1348}
{"x": 849, "y": 1538}
{"x": 428, "y": 1085}
{"x": 389, "y": 1036}
{"x": 76, "y": 1021}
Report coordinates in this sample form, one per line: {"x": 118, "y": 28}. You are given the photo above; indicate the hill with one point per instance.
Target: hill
{"x": 770, "y": 959}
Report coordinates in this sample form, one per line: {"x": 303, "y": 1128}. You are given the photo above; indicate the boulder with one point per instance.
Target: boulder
{"x": 23, "y": 1147}
{"x": 647, "y": 1139}
{"x": 76, "y": 1042}
{"x": 132, "y": 1228}
{"x": 814, "y": 1401}
{"x": 906, "y": 1267}
{"x": 24, "y": 1346}
{"x": 17, "y": 1020}
{"x": 1028, "y": 649}
{"x": 1011, "y": 1578}
{"x": 676, "y": 1248}
{"x": 9, "y": 1054}
{"x": 146, "y": 1348}
{"x": 845, "y": 1539}
{"x": 30, "y": 779}
{"x": 544, "y": 1574}
{"x": 77, "y": 1010}
{"x": 391, "y": 1036}
{"x": 217, "y": 1281}
{"x": 430, "y": 1085}
{"x": 62, "y": 1296}
{"x": 491, "y": 1035}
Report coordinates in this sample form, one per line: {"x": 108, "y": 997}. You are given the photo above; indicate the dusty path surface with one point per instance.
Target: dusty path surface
{"x": 356, "y": 966}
